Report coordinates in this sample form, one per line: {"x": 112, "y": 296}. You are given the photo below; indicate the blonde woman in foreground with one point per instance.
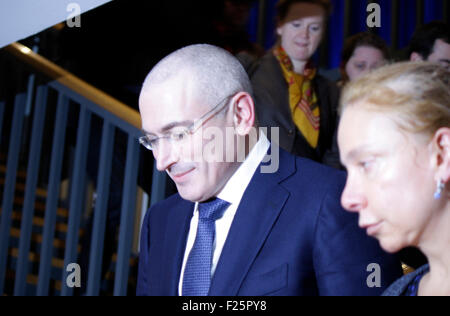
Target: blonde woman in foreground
{"x": 394, "y": 139}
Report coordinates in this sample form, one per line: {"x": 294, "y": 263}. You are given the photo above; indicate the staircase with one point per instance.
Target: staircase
{"x": 57, "y": 262}
{"x": 36, "y": 237}
{"x": 107, "y": 283}
{"x": 54, "y": 125}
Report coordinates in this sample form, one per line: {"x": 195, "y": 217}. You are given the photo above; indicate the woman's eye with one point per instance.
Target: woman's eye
{"x": 296, "y": 24}
{"x": 365, "y": 164}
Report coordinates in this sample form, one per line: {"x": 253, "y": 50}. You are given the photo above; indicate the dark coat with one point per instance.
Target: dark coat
{"x": 290, "y": 236}
{"x": 271, "y": 93}
{"x": 401, "y": 285}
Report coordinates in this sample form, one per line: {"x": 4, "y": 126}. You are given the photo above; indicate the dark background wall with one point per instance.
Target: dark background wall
{"x": 118, "y": 43}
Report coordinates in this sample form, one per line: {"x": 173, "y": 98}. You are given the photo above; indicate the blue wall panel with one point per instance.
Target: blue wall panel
{"x": 433, "y": 10}
{"x": 386, "y": 20}
{"x": 405, "y": 21}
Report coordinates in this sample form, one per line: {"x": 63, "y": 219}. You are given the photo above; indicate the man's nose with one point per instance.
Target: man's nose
{"x": 165, "y": 156}
{"x": 353, "y": 200}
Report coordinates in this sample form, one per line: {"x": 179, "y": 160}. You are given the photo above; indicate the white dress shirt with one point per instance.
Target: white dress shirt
{"x": 232, "y": 193}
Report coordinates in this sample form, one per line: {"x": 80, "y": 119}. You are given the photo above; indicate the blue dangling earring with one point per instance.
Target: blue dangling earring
{"x": 440, "y": 188}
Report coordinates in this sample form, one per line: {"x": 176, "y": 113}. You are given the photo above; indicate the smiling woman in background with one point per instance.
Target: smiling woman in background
{"x": 394, "y": 139}
{"x": 289, "y": 93}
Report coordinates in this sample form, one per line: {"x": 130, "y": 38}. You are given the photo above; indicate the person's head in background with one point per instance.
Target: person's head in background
{"x": 431, "y": 42}
{"x": 394, "y": 139}
{"x": 362, "y": 53}
{"x": 301, "y": 25}
{"x": 237, "y": 12}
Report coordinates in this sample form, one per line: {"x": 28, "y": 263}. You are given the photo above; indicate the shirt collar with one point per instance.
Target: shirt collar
{"x": 234, "y": 189}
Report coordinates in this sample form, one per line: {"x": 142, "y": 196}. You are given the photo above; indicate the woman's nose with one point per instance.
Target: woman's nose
{"x": 352, "y": 198}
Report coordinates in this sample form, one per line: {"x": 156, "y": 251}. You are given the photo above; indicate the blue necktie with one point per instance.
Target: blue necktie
{"x": 197, "y": 273}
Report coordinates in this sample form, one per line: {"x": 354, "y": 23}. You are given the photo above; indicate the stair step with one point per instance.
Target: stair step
{"x": 39, "y": 204}
{"x": 38, "y": 222}
{"x": 37, "y": 238}
{"x": 34, "y": 279}
{"x": 21, "y": 174}
{"x": 20, "y": 187}
{"x": 34, "y": 257}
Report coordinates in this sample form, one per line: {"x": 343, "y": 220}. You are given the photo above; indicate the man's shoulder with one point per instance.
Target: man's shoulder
{"x": 163, "y": 208}
{"x": 268, "y": 67}
{"x": 314, "y": 171}
{"x": 327, "y": 85}
{"x": 252, "y": 63}
{"x": 170, "y": 201}
{"x": 300, "y": 173}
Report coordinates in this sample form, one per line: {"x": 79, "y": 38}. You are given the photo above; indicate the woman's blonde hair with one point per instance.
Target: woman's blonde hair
{"x": 418, "y": 94}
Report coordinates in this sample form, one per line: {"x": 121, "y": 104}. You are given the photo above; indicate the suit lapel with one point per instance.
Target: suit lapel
{"x": 174, "y": 245}
{"x": 258, "y": 211}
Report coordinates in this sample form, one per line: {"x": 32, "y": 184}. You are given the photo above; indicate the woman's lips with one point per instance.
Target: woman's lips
{"x": 372, "y": 229}
{"x": 303, "y": 45}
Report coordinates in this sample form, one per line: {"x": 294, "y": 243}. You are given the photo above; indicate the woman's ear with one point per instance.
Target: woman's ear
{"x": 415, "y": 57}
{"x": 279, "y": 31}
{"x": 441, "y": 154}
{"x": 243, "y": 113}
{"x": 280, "y": 28}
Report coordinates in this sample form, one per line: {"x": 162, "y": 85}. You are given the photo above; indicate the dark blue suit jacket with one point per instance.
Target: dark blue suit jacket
{"x": 289, "y": 237}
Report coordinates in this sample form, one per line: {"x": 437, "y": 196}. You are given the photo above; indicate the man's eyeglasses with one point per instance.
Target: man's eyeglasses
{"x": 151, "y": 143}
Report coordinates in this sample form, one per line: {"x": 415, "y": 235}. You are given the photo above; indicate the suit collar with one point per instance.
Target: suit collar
{"x": 235, "y": 187}
{"x": 174, "y": 244}
{"x": 251, "y": 226}
{"x": 259, "y": 209}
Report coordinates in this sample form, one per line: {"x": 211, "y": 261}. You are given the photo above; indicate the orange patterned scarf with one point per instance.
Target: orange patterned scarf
{"x": 302, "y": 98}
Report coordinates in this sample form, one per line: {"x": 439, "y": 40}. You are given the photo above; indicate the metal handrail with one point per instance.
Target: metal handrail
{"x": 71, "y": 91}
{"x": 53, "y": 71}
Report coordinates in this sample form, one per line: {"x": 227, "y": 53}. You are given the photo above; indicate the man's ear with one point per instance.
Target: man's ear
{"x": 441, "y": 154}
{"x": 243, "y": 113}
{"x": 415, "y": 57}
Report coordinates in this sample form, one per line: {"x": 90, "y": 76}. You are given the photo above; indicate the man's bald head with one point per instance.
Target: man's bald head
{"x": 175, "y": 96}
{"x": 215, "y": 72}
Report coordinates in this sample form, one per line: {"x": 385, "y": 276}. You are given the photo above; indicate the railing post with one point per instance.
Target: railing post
{"x": 30, "y": 191}
{"x": 127, "y": 217}
{"x": 419, "y": 13}
{"x": 2, "y": 112}
{"x": 262, "y": 13}
{"x": 52, "y": 196}
{"x": 394, "y": 25}
{"x": 76, "y": 196}
{"x": 158, "y": 193}
{"x": 101, "y": 209}
{"x": 92, "y": 102}
{"x": 159, "y": 180}
{"x": 445, "y": 9}
{"x": 10, "y": 184}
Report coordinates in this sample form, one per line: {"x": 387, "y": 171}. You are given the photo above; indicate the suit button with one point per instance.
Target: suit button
{"x": 291, "y": 132}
